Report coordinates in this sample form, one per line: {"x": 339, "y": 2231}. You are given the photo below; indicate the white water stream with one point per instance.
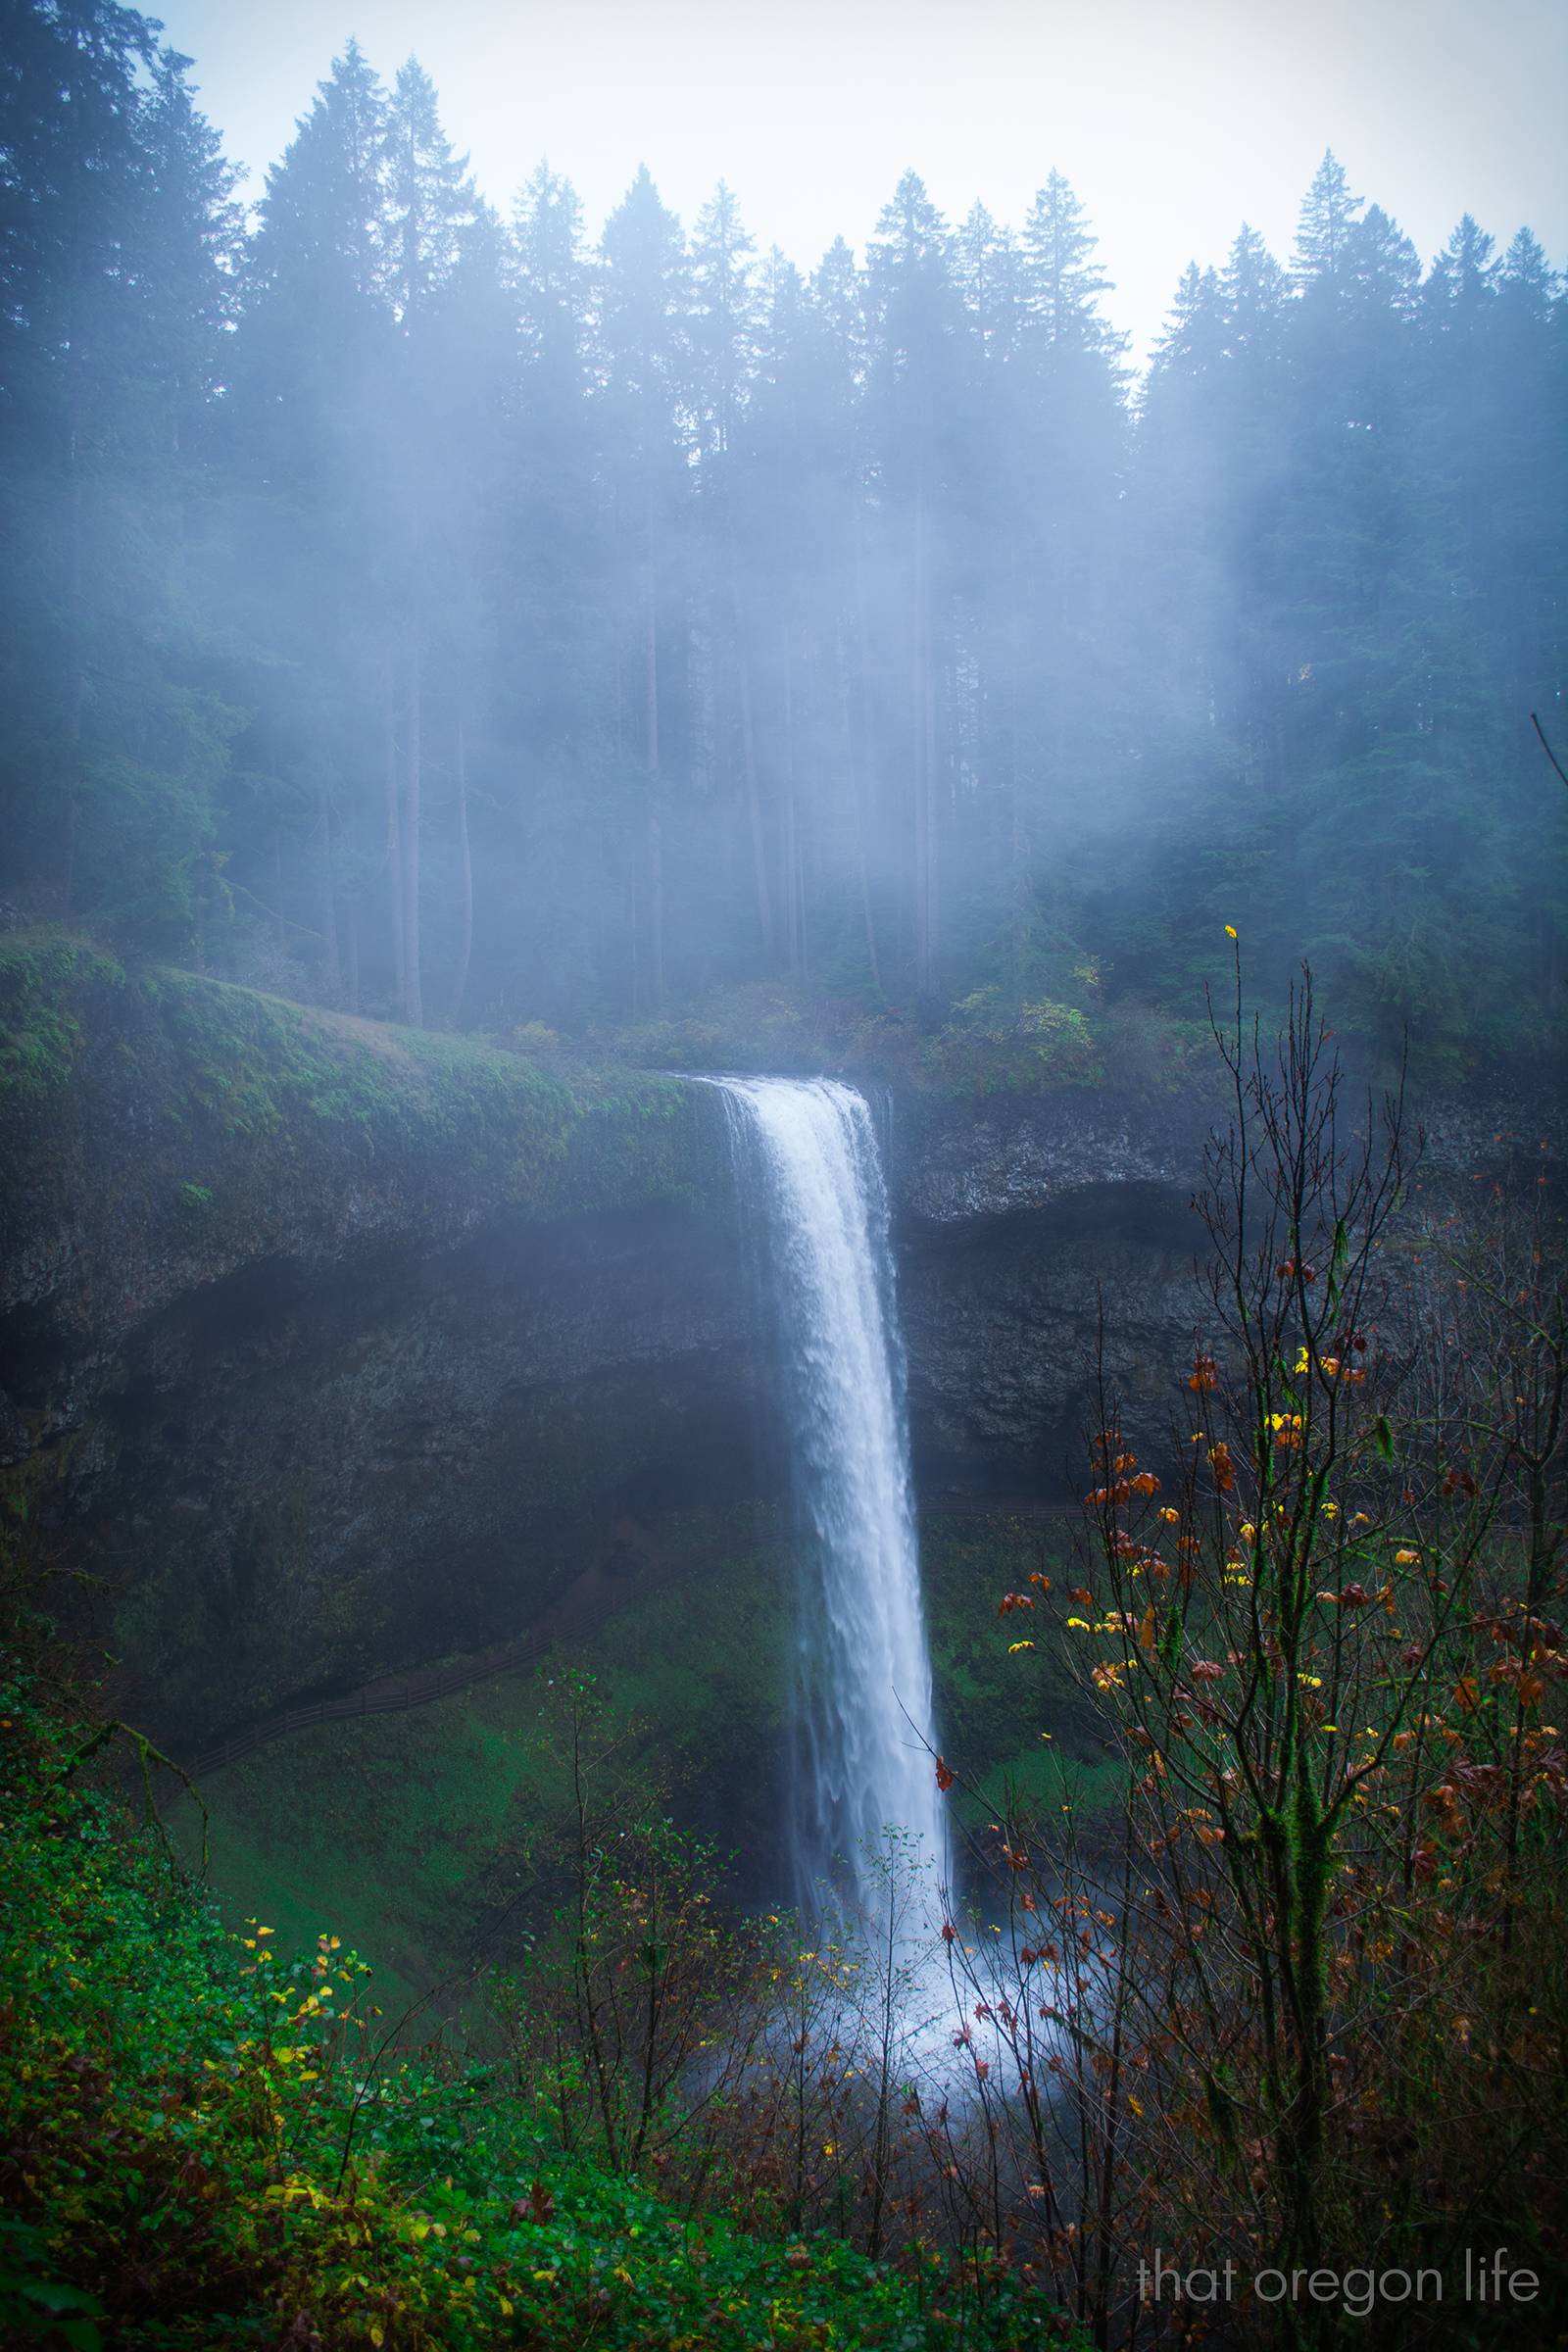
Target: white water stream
{"x": 812, "y": 1190}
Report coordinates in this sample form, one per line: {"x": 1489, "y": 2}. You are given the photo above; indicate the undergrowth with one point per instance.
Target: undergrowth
{"x": 207, "y": 2139}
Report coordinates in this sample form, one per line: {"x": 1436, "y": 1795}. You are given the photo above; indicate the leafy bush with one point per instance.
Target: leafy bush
{"x": 1308, "y": 2008}
{"x": 203, "y": 2137}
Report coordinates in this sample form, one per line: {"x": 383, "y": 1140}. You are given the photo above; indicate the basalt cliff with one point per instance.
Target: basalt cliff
{"x": 328, "y": 1349}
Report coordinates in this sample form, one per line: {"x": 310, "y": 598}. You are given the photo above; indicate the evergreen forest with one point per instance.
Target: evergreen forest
{"x": 475, "y": 621}
{"x": 669, "y": 1680}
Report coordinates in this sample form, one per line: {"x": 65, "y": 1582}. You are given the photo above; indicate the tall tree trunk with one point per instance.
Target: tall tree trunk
{"x": 855, "y": 804}
{"x": 794, "y": 911}
{"x": 351, "y": 927}
{"x": 1018, "y": 846}
{"x": 655, "y": 904}
{"x": 75, "y": 686}
{"x": 76, "y": 678}
{"x": 394, "y": 840}
{"x": 632, "y": 889}
{"x": 925, "y": 776}
{"x": 753, "y": 799}
{"x": 334, "y": 968}
{"x": 656, "y": 861}
{"x": 410, "y": 853}
{"x": 868, "y": 742}
{"x": 468, "y": 879}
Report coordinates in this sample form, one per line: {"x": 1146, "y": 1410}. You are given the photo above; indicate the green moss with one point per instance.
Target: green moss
{"x": 402, "y": 1831}
{"x": 994, "y": 1044}
{"x": 229, "y": 1083}
{"x": 405, "y": 1832}
{"x": 201, "y": 2104}
{"x": 45, "y": 978}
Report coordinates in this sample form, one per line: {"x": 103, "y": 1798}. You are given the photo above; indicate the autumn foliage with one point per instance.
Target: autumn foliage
{"x": 1313, "y": 2007}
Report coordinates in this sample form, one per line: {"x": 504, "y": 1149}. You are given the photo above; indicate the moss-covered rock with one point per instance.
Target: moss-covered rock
{"x": 330, "y": 1346}
{"x": 159, "y": 1130}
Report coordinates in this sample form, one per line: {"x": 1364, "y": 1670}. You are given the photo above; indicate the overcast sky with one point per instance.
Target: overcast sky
{"x": 1174, "y": 120}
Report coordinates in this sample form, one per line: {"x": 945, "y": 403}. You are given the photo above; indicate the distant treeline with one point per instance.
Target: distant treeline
{"x": 460, "y": 621}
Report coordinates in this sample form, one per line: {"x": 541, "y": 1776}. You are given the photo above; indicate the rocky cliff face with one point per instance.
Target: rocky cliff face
{"x": 1038, "y": 1236}
{"x": 334, "y": 1350}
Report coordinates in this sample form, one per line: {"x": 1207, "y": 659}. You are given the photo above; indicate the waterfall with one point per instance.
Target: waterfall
{"x": 816, "y": 1209}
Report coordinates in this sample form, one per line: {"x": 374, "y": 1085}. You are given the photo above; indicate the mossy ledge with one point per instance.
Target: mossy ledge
{"x": 159, "y": 1129}
{"x": 329, "y": 1347}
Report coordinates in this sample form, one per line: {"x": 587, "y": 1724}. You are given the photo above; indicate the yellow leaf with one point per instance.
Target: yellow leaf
{"x": 1230, "y": 930}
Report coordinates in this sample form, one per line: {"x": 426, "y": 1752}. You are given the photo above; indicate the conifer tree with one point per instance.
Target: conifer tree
{"x": 917, "y": 314}
{"x": 722, "y": 318}
{"x": 608, "y": 621}
{"x": 1064, "y": 282}
{"x": 322, "y": 231}
{"x": 644, "y": 331}
{"x": 1327, "y": 220}
{"x": 1256, "y": 290}
{"x": 428, "y": 200}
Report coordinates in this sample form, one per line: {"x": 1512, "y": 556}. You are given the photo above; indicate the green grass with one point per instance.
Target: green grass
{"x": 405, "y": 1833}
{"x": 205, "y": 2138}
{"x": 247, "y": 1089}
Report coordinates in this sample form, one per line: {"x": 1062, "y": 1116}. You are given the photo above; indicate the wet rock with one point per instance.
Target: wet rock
{"x": 339, "y": 1351}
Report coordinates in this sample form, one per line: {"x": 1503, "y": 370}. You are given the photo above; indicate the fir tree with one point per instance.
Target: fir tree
{"x": 1327, "y": 220}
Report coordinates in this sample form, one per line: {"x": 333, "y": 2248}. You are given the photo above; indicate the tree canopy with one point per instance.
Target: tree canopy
{"x": 439, "y": 616}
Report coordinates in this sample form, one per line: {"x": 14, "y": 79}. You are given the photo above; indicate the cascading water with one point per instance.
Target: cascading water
{"x": 810, "y": 1182}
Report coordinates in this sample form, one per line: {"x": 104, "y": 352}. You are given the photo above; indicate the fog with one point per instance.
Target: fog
{"x": 842, "y": 557}
{"x": 1173, "y": 123}
{"x": 469, "y": 607}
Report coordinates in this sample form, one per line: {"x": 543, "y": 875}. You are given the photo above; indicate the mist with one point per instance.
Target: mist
{"x": 782, "y": 1000}
{"x": 467, "y": 619}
